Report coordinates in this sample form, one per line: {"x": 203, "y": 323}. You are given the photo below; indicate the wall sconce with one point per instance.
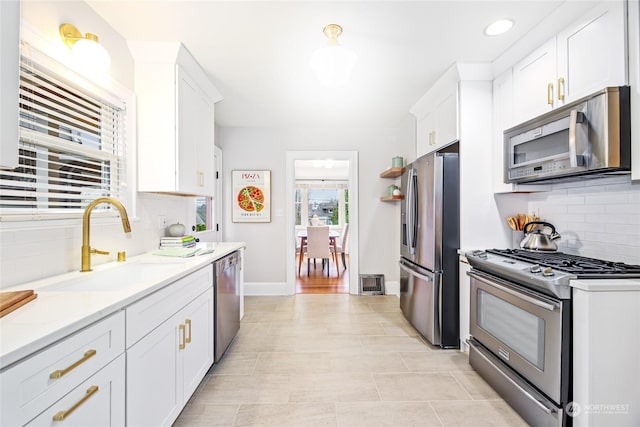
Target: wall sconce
{"x": 85, "y": 49}
{"x": 333, "y": 63}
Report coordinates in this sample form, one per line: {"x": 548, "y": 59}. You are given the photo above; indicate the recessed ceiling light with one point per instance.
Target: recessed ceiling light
{"x": 501, "y": 26}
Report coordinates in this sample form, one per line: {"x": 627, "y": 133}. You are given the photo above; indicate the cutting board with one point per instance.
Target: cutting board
{"x": 9, "y": 301}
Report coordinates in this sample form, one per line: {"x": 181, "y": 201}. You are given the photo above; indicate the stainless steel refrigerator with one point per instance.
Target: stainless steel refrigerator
{"x": 430, "y": 222}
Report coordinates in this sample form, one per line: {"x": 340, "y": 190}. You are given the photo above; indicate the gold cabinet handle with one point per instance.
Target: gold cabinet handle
{"x": 182, "y": 338}
{"x": 561, "y": 88}
{"x": 188, "y": 323}
{"x": 60, "y": 416}
{"x": 60, "y": 372}
{"x": 432, "y": 137}
{"x": 550, "y": 94}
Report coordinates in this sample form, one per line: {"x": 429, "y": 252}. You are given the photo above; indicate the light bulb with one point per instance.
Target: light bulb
{"x": 333, "y": 65}
{"x": 90, "y": 54}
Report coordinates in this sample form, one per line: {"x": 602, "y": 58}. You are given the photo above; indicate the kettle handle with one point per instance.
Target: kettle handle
{"x": 546, "y": 224}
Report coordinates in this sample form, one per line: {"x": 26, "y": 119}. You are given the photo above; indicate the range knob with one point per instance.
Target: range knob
{"x": 535, "y": 268}
{"x": 548, "y": 272}
{"x": 480, "y": 254}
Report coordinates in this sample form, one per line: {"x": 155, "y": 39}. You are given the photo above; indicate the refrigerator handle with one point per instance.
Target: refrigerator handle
{"x": 414, "y": 273}
{"x": 411, "y": 208}
{"x": 438, "y": 297}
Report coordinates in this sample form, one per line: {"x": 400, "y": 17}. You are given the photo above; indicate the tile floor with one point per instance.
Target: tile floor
{"x": 340, "y": 360}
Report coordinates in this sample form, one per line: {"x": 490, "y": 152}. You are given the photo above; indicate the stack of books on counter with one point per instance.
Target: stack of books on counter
{"x": 177, "y": 242}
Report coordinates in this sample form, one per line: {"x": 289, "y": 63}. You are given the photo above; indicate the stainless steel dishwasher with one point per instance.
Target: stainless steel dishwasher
{"x": 226, "y": 292}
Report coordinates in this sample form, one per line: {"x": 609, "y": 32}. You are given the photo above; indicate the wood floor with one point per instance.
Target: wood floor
{"x": 317, "y": 281}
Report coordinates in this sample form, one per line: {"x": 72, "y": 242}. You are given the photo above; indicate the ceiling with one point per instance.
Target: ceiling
{"x": 257, "y": 53}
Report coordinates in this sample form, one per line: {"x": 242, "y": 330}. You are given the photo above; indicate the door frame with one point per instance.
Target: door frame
{"x": 290, "y": 214}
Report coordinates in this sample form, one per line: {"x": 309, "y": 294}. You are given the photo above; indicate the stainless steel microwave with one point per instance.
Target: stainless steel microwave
{"x": 589, "y": 136}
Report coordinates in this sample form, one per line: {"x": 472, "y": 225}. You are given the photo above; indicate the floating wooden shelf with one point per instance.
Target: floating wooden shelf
{"x": 392, "y": 198}
{"x": 392, "y": 173}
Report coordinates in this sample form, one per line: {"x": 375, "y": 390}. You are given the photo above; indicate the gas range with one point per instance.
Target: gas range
{"x": 548, "y": 272}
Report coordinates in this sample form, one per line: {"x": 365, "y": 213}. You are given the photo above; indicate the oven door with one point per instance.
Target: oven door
{"x": 521, "y": 327}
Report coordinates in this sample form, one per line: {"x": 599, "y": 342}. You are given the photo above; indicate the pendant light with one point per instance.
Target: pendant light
{"x": 333, "y": 63}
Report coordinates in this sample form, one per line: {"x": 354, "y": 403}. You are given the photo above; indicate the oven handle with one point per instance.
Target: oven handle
{"x": 534, "y": 301}
{"x": 539, "y": 404}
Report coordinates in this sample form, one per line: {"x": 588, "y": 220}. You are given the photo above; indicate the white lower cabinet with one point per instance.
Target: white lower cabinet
{"x": 99, "y": 401}
{"x": 198, "y": 352}
{"x": 465, "y": 297}
{"x": 34, "y": 390}
{"x": 606, "y": 351}
{"x": 153, "y": 398}
{"x": 167, "y": 364}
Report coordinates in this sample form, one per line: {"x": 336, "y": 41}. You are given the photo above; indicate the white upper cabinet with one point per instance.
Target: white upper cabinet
{"x": 592, "y": 53}
{"x": 586, "y": 57}
{"x": 437, "y": 114}
{"x": 175, "y": 120}
{"x": 533, "y": 79}
{"x": 196, "y": 126}
{"x": 9, "y": 46}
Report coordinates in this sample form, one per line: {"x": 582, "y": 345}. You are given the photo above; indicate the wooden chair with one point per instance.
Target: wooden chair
{"x": 341, "y": 247}
{"x": 300, "y": 251}
{"x": 318, "y": 246}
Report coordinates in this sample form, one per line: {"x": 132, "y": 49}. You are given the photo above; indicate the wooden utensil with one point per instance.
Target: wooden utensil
{"x": 10, "y": 301}
{"x": 512, "y": 223}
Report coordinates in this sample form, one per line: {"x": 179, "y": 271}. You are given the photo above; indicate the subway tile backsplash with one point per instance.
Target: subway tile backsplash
{"x": 32, "y": 251}
{"x": 597, "y": 218}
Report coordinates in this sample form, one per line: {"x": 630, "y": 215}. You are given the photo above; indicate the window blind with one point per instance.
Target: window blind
{"x": 71, "y": 147}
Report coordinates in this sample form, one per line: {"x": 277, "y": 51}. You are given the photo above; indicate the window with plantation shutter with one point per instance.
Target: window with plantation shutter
{"x": 71, "y": 147}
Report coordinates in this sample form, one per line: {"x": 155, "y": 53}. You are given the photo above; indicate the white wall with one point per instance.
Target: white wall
{"x": 265, "y": 148}
{"x": 36, "y": 249}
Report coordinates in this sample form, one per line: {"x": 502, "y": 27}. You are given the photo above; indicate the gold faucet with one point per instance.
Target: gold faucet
{"x": 86, "y": 225}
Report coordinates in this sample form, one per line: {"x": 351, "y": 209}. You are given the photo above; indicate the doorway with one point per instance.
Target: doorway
{"x": 350, "y": 186}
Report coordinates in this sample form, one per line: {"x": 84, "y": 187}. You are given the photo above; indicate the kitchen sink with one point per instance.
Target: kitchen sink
{"x": 115, "y": 278}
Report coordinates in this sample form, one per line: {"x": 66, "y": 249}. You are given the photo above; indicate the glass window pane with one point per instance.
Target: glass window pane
{"x": 324, "y": 204}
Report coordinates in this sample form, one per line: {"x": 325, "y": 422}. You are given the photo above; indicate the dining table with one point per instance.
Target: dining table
{"x": 302, "y": 234}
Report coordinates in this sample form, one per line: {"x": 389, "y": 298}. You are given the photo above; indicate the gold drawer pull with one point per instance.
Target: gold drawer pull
{"x": 60, "y": 372}
{"x": 550, "y": 94}
{"x": 188, "y": 339}
{"x": 60, "y": 416}
{"x": 182, "y": 338}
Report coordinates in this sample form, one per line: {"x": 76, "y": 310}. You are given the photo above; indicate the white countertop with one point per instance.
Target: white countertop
{"x": 606, "y": 285}
{"x": 54, "y": 315}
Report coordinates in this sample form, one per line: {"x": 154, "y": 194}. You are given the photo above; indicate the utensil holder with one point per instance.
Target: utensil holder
{"x": 516, "y": 238}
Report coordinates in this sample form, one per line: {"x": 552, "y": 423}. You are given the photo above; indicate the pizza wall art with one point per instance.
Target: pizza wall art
{"x": 251, "y": 195}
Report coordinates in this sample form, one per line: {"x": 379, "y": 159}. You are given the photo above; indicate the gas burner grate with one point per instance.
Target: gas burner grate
{"x": 582, "y": 267}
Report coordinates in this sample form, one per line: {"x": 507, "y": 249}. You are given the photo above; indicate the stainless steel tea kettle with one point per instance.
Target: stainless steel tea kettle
{"x": 539, "y": 238}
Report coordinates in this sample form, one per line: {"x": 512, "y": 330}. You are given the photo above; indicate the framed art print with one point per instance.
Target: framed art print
{"x": 251, "y": 190}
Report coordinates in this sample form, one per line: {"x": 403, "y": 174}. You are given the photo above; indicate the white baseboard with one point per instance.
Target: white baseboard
{"x": 265, "y": 288}
{"x": 392, "y": 288}
{"x": 280, "y": 288}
